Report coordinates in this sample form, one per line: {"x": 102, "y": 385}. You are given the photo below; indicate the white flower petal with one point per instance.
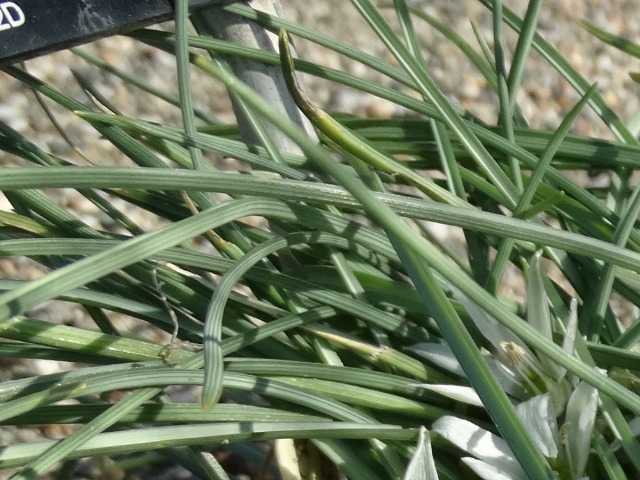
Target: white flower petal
{"x": 439, "y": 354}
{"x": 568, "y": 344}
{"x": 538, "y": 312}
{"x": 456, "y": 392}
{"x": 559, "y": 394}
{"x": 489, "y": 472}
{"x": 580, "y": 419}
{"x": 539, "y": 421}
{"x": 480, "y": 443}
{"x": 490, "y": 328}
{"x": 422, "y": 466}
{"x": 510, "y": 381}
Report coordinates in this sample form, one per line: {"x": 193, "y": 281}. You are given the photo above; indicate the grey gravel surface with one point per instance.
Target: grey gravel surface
{"x": 544, "y": 98}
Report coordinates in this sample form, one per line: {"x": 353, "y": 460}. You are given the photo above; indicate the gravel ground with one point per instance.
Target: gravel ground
{"x": 544, "y": 99}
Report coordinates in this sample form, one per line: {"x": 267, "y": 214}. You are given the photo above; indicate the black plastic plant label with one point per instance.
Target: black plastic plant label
{"x": 29, "y": 28}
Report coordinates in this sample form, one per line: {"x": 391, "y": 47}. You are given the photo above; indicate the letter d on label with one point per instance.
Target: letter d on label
{"x": 13, "y": 14}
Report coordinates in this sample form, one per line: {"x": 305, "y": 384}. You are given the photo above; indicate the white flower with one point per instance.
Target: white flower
{"x": 422, "y": 466}
{"x": 542, "y": 391}
{"x": 493, "y": 457}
